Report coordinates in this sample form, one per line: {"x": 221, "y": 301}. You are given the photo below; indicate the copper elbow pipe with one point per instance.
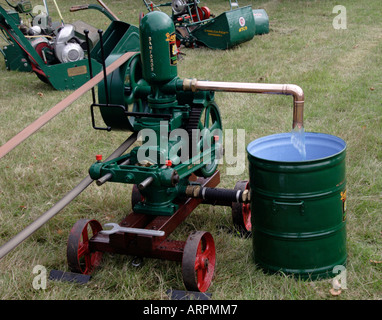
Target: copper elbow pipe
{"x": 265, "y": 88}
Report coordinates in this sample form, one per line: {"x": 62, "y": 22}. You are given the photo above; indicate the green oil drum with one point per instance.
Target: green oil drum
{"x": 298, "y": 204}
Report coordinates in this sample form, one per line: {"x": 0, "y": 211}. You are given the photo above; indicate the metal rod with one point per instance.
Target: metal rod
{"x": 148, "y": 181}
{"x": 103, "y": 65}
{"x": 46, "y": 7}
{"x": 104, "y": 179}
{"x": 39, "y": 222}
{"x": 86, "y": 32}
{"x": 59, "y": 12}
{"x": 46, "y": 117}
{"x": 145, "y": 183}
{"x": 108, "y": 176}
{"x": 265, "y": 88}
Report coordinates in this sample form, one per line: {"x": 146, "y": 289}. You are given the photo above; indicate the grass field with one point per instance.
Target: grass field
{"x": 340, "y": 73}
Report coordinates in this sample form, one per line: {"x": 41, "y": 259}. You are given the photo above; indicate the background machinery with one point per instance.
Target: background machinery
{"x": 196, "y": 26}
{"x": 55, "y": 51}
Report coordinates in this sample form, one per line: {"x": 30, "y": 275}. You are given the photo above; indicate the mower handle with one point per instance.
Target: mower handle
{"x": 105, "y": 11}
{"x": 79, "y": 7}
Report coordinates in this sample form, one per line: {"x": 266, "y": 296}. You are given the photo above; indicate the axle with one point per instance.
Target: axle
{"x": 218, "y": 196}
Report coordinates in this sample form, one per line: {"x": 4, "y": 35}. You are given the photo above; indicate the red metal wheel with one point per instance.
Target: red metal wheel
{"x": 198, "y": 262}
{"x": 206, "y": 13}
{"x": 200, "y": 16}
{"x": 241, "y": 212}
{"x": 80, "y": 258}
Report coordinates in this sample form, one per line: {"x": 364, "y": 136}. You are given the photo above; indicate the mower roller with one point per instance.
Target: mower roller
{"x": 173, "y": 170}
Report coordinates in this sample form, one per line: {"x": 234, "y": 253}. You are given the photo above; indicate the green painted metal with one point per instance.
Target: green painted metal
{"x": 298, "y": 214}
{"x": 122, "y": 95}
{"x": 9, "y": 22}
{"x": 157, "y": 31}
{"x": 261, "y": 21}
{"x": 68, "y": 76}
{"x": 196, "y": 26}
{"x": 148, "y": 85}
{"x": 158, "y": 196}
{"x": 228, "y": 29}
{"x": 159, "y": 148}
{"x": 16, "y": 59}
{"x": 119, "y": 38}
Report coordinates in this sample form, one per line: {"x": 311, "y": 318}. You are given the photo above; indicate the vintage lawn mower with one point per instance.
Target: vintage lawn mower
{"x": 56, "y": 52}
{"x": 172, "y": 172}
{"x": 197, "y": 26}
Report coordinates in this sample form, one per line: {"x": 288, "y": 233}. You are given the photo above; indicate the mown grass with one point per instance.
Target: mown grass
{"x": 340, "y": 73}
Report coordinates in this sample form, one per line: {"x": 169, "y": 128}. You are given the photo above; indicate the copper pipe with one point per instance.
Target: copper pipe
{"x": 265, "y": 88}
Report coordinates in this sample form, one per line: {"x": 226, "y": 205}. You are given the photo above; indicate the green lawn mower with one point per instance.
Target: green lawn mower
{"x": 55, "y": 51}
{"x": 197, "y": 26}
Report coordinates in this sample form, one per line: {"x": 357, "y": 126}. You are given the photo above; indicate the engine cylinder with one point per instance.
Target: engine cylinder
{"x": 158, "y": 47}
{"x": 65, "y": 50}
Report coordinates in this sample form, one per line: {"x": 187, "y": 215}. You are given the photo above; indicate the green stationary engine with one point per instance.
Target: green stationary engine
{"x": 181, "y": 129}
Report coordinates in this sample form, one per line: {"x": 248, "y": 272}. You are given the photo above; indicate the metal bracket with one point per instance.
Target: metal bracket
{"x": 103, "y": 105}
{"x": 293, "y": 204}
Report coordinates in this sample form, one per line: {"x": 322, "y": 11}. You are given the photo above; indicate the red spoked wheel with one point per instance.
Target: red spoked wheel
{"x": 194, "y": 17}
{"x": 36, "y": 69}
{"x": 80, "y": 258}
{"x": 206, "y": 13}
{"x": 203, "y": 13}
{"x": 198, "y": 262}
{"x": 241, "y": 212}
